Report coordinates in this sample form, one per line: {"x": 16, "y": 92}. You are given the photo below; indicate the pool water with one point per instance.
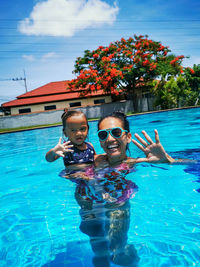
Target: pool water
{"x": 40, "y": 218}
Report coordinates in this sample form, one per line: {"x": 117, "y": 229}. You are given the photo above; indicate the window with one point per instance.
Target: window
{"x": 50, "y": 107}
{"x": 24, "y": 110}
{"x": 99, "y": 101}
{"x": 75, "y": 104}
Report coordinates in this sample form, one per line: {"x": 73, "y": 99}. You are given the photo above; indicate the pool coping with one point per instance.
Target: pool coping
{"x": 60, "y": 124}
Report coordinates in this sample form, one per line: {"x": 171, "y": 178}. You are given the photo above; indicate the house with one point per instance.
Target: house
{"x": 53, "y": 96}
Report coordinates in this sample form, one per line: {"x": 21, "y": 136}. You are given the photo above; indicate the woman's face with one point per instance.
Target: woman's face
{"x": 115, "y": 148}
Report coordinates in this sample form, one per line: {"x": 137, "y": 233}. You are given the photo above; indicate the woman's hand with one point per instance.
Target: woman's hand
{"x": 60, "y": 149}
{"x": 154, "y": 151}
{"x": 80, "y": 175}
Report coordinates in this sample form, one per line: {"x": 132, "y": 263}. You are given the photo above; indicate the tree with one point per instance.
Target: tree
{"x": 123, "y": 65}
{"x": 173, "y": 93}
{"x": 192, "y": 76}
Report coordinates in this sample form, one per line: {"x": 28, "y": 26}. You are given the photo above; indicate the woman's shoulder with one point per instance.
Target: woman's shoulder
{"x": 100, "y": 160}
{"x": 130, "y": 161}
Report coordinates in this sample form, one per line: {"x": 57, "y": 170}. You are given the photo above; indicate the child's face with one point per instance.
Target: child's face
{"x": 76, "y": 129}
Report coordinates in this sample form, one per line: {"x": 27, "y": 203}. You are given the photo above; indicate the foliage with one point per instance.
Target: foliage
{"x": 124, "y": 64}
{"x": 192, "y": 76}
{"x": 173, "y": 93}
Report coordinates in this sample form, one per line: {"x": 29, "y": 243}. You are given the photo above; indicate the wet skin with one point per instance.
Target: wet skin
{"x": 115, "y": 148}
{"x": 76, "y": 130}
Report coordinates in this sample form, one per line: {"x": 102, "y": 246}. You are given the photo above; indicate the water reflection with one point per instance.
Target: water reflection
{"x": 103, "y": 196}
{"x": 105, "y": 214}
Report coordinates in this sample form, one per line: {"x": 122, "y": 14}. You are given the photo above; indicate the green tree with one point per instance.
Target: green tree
{"x": 123, "y": 65}
{"x": 173, "y": 93}
{"x": 192, "y": 76}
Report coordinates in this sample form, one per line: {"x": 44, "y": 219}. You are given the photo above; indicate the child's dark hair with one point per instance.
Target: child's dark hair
{"x": 70, "y": 113}
{"x": 119, "y": 115}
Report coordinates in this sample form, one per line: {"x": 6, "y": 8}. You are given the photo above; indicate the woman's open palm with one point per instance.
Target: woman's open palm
{"x": 154, "y": 151}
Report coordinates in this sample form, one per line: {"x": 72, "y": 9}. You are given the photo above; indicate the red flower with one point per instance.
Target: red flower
{"x": 111, "y": 56}
{"x": 161, "y": 48}
{"x": 138, "y": 45}
{"x": 191, "y": 71}
{"x": 146, "y": 62}
{"x": 137, "y": 52}
{"x": 92, "y": 87}
{"x": 105, "y": 59}
{"x": 123, "y": 40}
{"x": 172, "y": 62}
{"x": 95, "y": 55}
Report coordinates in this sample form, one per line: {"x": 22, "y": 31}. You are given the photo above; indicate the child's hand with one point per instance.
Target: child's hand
{"x": 60, "y": 149}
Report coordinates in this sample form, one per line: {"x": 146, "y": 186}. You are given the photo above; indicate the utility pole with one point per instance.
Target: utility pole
{"x": 21, "y": 79}
{"x": 17, "y": 79}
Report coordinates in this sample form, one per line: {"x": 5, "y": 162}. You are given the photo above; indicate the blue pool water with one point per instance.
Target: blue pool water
{"x": 40, "y": 218}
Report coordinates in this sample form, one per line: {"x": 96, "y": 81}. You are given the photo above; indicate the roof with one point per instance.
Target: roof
{"x": 48, "y": 89}
{"x": 51, "y": 92}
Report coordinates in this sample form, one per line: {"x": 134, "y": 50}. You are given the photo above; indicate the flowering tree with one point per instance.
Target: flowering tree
{"x": 124, "y": 65}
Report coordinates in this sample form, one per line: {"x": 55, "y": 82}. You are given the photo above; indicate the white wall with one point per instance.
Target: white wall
{"x": 49, "y": 117}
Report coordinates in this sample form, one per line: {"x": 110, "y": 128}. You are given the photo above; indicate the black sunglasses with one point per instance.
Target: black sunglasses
{"x": 115, "y": 132}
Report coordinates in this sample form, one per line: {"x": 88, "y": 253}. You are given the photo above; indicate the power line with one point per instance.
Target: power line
{"x": 17, "y": 79}
{"x": 118, "y": 20}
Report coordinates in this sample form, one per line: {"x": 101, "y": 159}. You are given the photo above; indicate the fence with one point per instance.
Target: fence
{"x": 50, "y": 117}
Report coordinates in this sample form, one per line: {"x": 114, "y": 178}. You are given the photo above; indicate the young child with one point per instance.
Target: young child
{"x": 76, "y": 153}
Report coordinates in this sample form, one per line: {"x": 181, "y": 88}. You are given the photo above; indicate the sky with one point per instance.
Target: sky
{"x": 41, "y": 39}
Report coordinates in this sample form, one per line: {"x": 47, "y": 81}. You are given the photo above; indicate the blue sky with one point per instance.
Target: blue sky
{"x": 43, "y": 38}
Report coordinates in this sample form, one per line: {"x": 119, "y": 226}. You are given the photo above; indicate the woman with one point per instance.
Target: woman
{"x": 103, "y": 193}
{"x": 114, "y": 136}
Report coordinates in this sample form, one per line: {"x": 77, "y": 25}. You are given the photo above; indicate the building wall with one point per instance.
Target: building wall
{"x": 54, "y": 116}
{"x": 61, "y": 104}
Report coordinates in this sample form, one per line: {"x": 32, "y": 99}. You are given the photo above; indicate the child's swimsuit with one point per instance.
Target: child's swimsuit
{"x": 80, "y": 156}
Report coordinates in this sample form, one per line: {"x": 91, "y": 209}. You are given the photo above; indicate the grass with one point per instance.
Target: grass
{"x": 9, "y": 130}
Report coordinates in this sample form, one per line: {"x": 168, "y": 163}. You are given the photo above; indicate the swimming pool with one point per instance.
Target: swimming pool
{"x": 40, "y": 217}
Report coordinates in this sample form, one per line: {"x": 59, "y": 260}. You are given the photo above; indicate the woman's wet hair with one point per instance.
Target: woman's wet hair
{"x": 70, "y": 113}
{"x": 119, "y": 115}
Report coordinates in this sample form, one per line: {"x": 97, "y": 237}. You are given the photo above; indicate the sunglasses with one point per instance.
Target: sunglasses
{"x": 115, "y": 132}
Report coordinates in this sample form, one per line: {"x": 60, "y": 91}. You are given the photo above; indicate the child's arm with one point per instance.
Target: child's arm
{"x": 58, "y": 151}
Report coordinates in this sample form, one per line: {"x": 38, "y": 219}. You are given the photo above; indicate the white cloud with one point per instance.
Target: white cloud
{"x": 29, "y": 57}
{"x": 48, "y": 55}
{"x": 66, "y": 17}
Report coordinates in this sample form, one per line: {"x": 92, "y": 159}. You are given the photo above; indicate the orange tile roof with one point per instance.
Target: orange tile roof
{"x": 46, "y": 99}
{"x": 48, "y": 89}
{"x": 51, "y": 92}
